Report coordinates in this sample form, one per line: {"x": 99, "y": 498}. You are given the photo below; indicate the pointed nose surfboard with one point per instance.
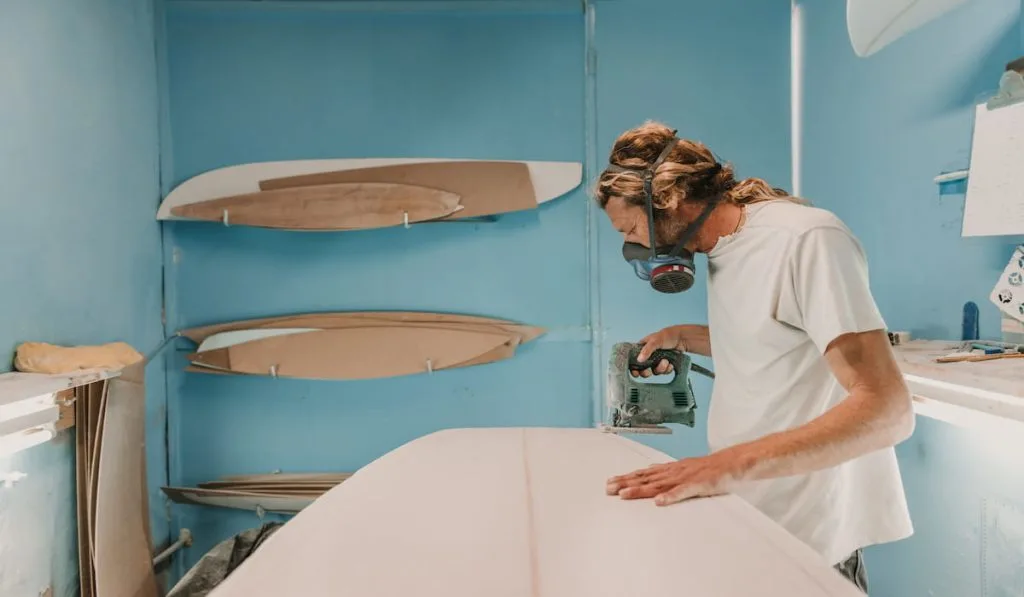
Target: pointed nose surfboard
{"x": 874, "y": 24}
{"x": 484, "y": 187}
{"x": 354, "y": 345}
{"x": 522, "y": 512}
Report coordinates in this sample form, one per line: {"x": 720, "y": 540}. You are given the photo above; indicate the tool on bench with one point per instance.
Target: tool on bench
{"x": 637, "y": 406}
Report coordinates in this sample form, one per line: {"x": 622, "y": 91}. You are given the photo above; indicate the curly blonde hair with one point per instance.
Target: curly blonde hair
{"x": 689, "y": 172}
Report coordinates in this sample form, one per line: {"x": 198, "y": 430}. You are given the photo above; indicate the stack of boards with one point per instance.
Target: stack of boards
{"x": 285, "y": 493}
{"x": 354, "y": 344}
{"x": 114, "y": 539}
{"x": 353, "y": 194}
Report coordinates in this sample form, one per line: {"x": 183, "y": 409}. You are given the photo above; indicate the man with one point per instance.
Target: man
{"x": 808, "y": 401}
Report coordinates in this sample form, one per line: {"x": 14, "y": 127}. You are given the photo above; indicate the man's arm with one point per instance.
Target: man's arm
{"x": 877, "y": 413}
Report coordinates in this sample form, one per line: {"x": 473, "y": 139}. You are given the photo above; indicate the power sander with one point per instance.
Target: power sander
{"x": 638, "y": 405}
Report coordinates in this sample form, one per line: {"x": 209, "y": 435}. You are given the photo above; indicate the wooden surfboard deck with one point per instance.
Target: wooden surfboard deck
{"x": 874, "y": 24}
{"x": 522, "y": 512}
{"x": 341, "y": 206}
{"x": 484, "y": 187}
{"x": 354, "y": 345}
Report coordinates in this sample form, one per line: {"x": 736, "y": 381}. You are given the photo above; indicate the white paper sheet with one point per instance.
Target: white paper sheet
{"x": 995, "y": 189}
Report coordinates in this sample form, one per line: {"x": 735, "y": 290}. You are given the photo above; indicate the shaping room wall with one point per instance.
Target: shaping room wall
{"x": 252, "y": 85}
{"x": 719, "y": 73}
{"x": 877, "y": 131}
{"x": 78, "y": 194}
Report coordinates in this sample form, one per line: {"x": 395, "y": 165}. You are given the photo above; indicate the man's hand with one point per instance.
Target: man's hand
{"x": 686, "y": 338}
{"x": 680, "y": 480}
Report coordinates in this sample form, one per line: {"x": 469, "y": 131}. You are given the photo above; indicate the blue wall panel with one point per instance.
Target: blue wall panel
{"x": 718, "y": 72}
{"x": 78, "y": 196}
{"x": 877, "y": 131}
{"x": 251, "y": 86}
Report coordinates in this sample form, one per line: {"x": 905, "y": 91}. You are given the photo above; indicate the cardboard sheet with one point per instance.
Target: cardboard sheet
{"x": 359, "y": 345}
{"x": 345, "y": 318}
{"x": 344, "y": 206}
{"x": 352, "y": 353}
{"x": 522, "y": 513}
{"x": 485, "y": 188}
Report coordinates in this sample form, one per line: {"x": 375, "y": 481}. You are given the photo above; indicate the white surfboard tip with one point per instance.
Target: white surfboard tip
{"x": 874, "y": 24}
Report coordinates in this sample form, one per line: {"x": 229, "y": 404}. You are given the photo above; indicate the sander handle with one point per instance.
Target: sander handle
{"x": 671, "y": 355}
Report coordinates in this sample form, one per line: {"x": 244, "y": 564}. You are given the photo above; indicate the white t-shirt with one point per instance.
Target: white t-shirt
{"x": 780, "y": 289}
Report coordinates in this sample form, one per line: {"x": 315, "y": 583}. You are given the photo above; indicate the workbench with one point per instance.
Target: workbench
{"x": 966, "y": 392}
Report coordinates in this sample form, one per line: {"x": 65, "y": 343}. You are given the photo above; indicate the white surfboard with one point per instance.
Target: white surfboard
{"x": 522, "y": 512}
{"x": 874, "y": 24}
{"x": 550, "y": 179}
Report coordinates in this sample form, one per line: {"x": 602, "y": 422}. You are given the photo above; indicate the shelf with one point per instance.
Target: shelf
{"x": 19, "y": 386}
{"x": 984, "y": 392}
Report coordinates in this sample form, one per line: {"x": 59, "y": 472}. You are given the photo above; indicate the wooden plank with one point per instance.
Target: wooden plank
{"x": 485, "y": 188}
{"x": 124, "y": 565}
{"x": 343, "y": 206}
{"x": 66, "y": 409}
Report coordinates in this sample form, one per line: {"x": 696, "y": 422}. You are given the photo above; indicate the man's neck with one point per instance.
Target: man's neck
{"x": 725, "y": 219}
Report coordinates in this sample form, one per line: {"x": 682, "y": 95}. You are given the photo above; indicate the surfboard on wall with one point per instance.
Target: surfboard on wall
{"x": 281, "y": 493}
{"x": 874, "y": 24}
{"x": 522, "y": 512}
{"x": 355, "y": 344}
{"x": 353, "y": 194}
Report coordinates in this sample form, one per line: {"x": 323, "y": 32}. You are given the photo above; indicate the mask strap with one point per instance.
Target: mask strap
{"x": 692, "y": 229}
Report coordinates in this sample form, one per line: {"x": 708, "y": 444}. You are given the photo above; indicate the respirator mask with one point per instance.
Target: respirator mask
{"x": 667, "y": 269}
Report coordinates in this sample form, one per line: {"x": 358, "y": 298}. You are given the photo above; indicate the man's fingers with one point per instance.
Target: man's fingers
{"x": 680, "y": 493}
{"x": 647, "y": 490}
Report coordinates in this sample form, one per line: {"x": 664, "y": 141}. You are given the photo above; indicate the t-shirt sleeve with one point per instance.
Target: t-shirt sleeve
{"x": 826, "y": 291}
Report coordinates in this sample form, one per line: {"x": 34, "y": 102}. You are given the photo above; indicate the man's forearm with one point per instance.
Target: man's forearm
{"x": 861, "y": 424}
{"x": 696, "y": 339}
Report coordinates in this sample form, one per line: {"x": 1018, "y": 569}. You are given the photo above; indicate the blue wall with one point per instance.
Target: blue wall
{"x": 876, "y": 131}
{"x": 252, "y": 85}
{"x": 691, "y": 66}
{"x": 78, "y": 165}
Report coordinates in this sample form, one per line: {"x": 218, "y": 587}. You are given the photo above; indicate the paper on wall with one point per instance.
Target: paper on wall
{"x": 995, "y": 188}
{"x": 1008, "y": 293}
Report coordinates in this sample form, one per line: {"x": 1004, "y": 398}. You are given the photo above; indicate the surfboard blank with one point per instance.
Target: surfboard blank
{"x": 354, "y": 345}
{"x": 484, "y": 187}
{"x": 522, "y": 513}
{"x": 341, "y": 206}
{"x": 874, "y": 24}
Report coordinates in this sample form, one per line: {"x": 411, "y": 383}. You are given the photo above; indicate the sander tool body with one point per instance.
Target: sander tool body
{"x": 642, "y": 405}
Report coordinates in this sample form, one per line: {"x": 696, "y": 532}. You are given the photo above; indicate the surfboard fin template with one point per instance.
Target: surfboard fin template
{"x": 355, "y": 344}
{"x": 357, "y": 194}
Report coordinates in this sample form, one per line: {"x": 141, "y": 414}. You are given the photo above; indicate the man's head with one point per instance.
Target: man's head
{"x": 686, "y": 180}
